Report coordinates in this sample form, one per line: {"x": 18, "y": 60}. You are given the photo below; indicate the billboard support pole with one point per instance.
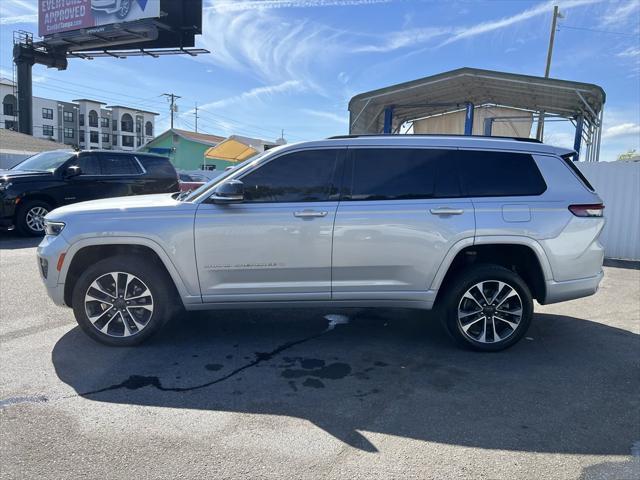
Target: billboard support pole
{"x": 24, "y": 64}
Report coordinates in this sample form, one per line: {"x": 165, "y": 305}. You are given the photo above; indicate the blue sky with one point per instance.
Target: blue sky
{"x": 294, "y": 64}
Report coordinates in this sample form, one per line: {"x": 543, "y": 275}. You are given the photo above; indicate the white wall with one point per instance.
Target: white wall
{"x": 38, "y": 122}
{"x": 618, "y": 183}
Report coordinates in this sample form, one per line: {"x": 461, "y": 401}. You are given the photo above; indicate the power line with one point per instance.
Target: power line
{"x": 598, "y": 31}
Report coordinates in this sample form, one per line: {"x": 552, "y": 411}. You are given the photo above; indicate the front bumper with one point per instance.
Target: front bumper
{"x": 572, "y": 289}
{"x": 48, "y": 253}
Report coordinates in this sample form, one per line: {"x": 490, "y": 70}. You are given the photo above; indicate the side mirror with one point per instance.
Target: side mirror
{"x": 229, "y": 192}
{"x": 72, "y": 171}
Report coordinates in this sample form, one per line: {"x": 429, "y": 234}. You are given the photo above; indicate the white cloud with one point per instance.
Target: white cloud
{"x": 240, "y": 5}
{"x": 404, "y": 38}
{"x": 622, "y": 130}
{"x": 18, "y": 11}
{"x": 630, "y": 52}
{"x": 493, "y": 25}
{"x": 254, "y": 94}
{"x": 332, "y": 117}
{"x": 620, "y": 13}
{"x": 268, "y": 47}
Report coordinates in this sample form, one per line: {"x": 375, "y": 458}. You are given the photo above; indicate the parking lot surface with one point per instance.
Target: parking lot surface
{"x": 318, "y": 393}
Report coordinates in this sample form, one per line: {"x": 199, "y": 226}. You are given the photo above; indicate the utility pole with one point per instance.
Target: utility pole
{"x": 173, "y": 106}
{"x": 547, "y": 70}
{"x": 196, "y": 115}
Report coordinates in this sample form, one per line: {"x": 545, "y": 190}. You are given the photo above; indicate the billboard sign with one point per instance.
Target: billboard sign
{"x": 57, "y": 16}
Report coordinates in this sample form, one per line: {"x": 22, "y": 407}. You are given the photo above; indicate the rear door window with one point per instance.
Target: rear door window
{"x": 402, "y": 174}
{"x": 305, "y": 176}
{"x": 497, "y": 174}
{"x": 119, "y": 165}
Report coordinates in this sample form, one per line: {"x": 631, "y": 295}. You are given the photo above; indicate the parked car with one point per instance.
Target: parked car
{"x": 191, "y": 181}
{"x": 475, "y": 227}
{"x": 48, "y": 180}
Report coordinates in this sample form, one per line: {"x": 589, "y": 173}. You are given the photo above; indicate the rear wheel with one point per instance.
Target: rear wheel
{"x": 30, "y": 217}
{"x": 488, "y": 308}
{"x": 122, "y": 300}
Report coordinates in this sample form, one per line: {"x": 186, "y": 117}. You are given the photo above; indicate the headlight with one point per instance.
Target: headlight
{"x": 4, "y": 186}
{"x": 53, "y": 228}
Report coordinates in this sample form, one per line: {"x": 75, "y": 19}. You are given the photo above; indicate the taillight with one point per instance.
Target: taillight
{"x": 588, "y": 210}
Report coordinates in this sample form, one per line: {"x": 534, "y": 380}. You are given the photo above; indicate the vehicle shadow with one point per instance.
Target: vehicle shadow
{"x": 570, "y": 387}
{"x": 12, "y": 240}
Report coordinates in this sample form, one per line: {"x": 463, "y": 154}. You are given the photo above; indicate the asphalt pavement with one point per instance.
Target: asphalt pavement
{"x": 315, "y": 394}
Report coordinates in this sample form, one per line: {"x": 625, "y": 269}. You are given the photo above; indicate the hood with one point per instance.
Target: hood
{"x": 10, "y": 175}
{"x": 138, "y": 203}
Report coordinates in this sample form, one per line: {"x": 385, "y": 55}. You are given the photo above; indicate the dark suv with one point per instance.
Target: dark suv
{"x": 49, "y": 180}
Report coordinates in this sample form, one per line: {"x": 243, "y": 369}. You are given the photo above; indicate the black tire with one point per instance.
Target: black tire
{"x": 491, "y": 274}
{"x": 24, "y": 209}
{"x": 154, "y": 278}
{"x": 125, "y": 8}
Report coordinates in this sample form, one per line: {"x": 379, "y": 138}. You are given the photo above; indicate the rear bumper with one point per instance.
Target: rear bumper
{"x": 571, "y": 289}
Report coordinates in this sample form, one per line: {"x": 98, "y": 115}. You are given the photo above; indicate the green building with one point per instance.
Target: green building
{"x": 186, "y": 149}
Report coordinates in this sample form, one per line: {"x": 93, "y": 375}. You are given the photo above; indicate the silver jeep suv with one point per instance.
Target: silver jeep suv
{"x": 475, "y": 227}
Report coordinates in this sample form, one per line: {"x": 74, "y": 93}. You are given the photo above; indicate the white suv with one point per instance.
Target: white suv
{"x": 477, "y": 227}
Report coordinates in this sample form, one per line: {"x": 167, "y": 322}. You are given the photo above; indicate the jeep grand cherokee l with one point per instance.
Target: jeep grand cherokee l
{"x": 51, "y": 179}
{"x": 477, "y": 227}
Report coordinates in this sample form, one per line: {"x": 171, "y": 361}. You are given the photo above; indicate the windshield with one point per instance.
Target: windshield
{"x": 45, "y": 161}
{"x": 195, "y": 194}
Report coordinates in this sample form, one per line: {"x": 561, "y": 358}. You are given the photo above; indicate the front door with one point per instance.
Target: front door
{"x": 276, "y": 245}
{"x": 86, "y": 186}
{"x": 401, "y": 213}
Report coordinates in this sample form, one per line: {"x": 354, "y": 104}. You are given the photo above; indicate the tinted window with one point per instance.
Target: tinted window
{"x": 297, "y": 177}
{"x": 493, "y": 174}
{"x": 119, "y": 165}
{"x": 400, "y": 174}
{"x": 568, "y": 161}
{"x": 157, "y": 166}
{"x": 89, "y": 164}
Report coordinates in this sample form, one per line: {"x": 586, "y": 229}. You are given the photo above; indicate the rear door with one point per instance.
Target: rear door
{"x": 122, "y": 175}
{"x": 401, "y": 212}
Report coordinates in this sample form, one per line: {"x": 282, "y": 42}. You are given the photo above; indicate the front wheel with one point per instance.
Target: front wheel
{"x": 122, "y": 300}
{"x": 488, "y": 308}
{"x": 30, "y": 217}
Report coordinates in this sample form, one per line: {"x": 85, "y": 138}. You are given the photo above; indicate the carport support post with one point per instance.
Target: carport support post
{"x": 468, "y": 120}
{"x": 388, "y": 119}
{"x": 577, "y": 140}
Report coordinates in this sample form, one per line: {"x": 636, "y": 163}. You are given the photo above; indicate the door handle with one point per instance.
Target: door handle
{"x": 446, "y": 211}
{"x": 309, "y": 214}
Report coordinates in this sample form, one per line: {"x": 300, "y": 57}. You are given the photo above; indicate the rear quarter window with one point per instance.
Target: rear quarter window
{"x": 499, "y": 174}
{"x": 157, "y": 166}
{"x": 571, "y": 164}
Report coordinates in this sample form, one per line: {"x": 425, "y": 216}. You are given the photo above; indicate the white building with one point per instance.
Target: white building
{"x": 83, "y": 123}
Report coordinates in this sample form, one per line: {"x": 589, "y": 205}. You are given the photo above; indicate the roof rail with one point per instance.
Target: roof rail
{"x": 517, "y": 139}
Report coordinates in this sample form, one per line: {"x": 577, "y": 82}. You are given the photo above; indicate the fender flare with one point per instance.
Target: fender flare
{"x": 138, "y": 241}
{"x": 491, "y": 240}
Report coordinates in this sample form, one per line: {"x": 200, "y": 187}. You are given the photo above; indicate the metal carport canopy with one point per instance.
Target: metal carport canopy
{"x": 456, "y": 89}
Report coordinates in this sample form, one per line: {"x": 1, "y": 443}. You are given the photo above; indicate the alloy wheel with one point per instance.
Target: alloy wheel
{"x": 490, "y": 311}
{"x": 35, "y": 219}
{"x": 119, "y": 304}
